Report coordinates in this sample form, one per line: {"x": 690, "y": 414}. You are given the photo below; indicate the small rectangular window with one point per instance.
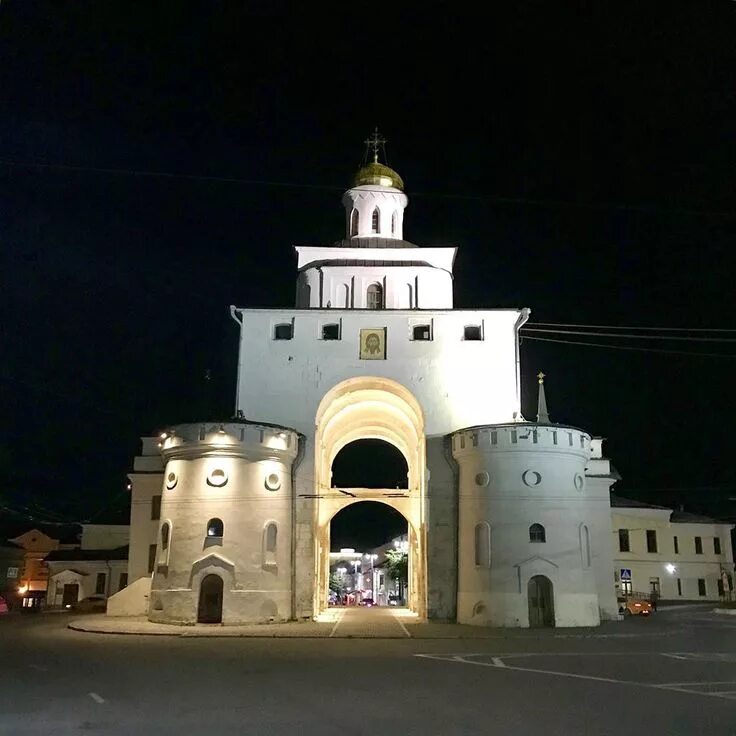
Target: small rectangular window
{"x": 283, "y": 332}
{"x": 514, "y": 436}
{"x": 123, "y": 583}
{"x": 494, "y": 438}
{"x": 719, "y": 582}
{"x": 331, "y": 332}
{"x": 535, "y": 436}
{"x": 151, "y": 557}
{"x": 698, "y": 545}
{"x": 473, "y": 332}
{"x": 100, "y": 583}
{"x": 716, "y": 545}
{"x": 421, "y": 332}
{"x": 155, "y": 508}
{"x": 623, "y": 540}
{"x": 651, "y": 540}
{"x": 554, "y": 438}
{"x": 679, "y": 586}
{"x": 677, "y": 545}
{"x": 701, "y": 586}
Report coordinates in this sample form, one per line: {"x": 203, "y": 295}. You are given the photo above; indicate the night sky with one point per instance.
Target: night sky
{"x": 581, "y": 156}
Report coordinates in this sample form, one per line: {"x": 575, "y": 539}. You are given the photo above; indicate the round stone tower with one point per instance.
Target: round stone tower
{"x": 223, "y": 552}
{"x": 528, "y": 529}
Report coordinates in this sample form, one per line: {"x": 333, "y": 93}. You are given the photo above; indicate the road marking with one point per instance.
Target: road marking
{"x": 401, "y": 623}
{"x": 97, "y": 698}
{"x": 672, "y": 687}
{"x": 337, "y": 623}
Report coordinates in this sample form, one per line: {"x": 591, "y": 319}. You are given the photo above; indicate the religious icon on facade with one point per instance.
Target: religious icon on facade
{"x": 373, "y": 344}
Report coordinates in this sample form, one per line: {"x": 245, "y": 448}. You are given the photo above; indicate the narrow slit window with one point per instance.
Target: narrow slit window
{"x": 483, "y": 544}
{"x": 375, "y": 220}
{"x": 421, "y": 332}
{"x": 354, "y": 222}
{"x": 472, "y": 333}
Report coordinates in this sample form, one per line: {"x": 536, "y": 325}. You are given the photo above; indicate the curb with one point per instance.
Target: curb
{"x": 725, "y": 611}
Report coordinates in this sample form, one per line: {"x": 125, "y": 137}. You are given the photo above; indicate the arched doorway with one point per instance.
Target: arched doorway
{"x": 210, "y": 600}
{"x": 386, "y": 413}
{"x": 541, "y": 602}
{"x": 369, "y": 561}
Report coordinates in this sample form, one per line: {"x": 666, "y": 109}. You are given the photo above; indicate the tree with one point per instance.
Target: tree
{"x": 337, "y": 583}
{"x": 397, "y": 566}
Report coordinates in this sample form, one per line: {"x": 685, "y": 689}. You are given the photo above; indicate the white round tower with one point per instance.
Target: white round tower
{"x": 374, "y": 206}
{"x": 528, "y": 529}
{"x": 223, "y": 552}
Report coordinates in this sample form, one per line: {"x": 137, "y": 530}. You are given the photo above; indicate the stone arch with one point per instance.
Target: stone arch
{"x": 212, "y": 563}
{"x": 371, "y": 407}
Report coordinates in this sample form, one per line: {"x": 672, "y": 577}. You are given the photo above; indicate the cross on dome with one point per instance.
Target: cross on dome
{"x": 374, "y": 144}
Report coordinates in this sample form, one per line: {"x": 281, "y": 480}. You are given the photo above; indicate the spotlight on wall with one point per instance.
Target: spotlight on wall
{"x": 671, "y": 569}
{"x": 164, "y": 435}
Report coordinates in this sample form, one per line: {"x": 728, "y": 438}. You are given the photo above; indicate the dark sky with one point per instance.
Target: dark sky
{"x": 581, "y": 155}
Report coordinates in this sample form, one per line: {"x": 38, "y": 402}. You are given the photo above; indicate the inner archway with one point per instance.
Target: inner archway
{"x": 370, "y": 463}
{"x": 386, "y": 413}
{"x": 368, "y": 556}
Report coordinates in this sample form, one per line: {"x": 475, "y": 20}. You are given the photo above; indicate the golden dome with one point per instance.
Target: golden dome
{"x": 378, "y": 175}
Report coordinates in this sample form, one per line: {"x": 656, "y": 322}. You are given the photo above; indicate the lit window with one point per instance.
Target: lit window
{"x": 375, "y": 220}
{"x": 215, "y": 528}
{"x": 354, "y": 220}
{"x": 537, "y": 533}
{"x": 472, "y": 332}
{"x": 421, "y": 332}
{"x": 374, "y": 297}
{"x": 330, "y": 332}
{"x": 283, "y": 332}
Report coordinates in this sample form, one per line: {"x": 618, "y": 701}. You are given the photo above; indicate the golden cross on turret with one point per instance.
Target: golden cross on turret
{"x": 374, "y": 144}
{"x": 540, "y": 376}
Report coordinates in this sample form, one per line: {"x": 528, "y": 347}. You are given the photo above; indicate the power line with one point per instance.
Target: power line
{"x": 630, "y": 348}
{"x": 327, "y": 187}
{"x": 638, "y": 327}
{"x": 632, "y": 337}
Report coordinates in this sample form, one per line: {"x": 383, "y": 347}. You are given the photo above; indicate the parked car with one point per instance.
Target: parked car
{"x": 368, "y": 602}
{"x": 634, "y": 606}
{"x": 93, "y": 604}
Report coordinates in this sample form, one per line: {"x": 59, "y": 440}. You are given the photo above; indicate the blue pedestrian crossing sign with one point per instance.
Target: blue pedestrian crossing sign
{"x": 625, "y": 573}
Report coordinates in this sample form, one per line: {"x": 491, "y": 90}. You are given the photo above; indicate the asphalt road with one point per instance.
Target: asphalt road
{"x": 672, "y": 674}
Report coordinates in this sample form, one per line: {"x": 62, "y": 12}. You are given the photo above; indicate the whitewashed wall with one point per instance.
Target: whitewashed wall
{"x": 457, "y": 383}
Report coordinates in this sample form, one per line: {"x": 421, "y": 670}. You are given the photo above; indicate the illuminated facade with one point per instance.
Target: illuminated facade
{"x": 508, "y": 520}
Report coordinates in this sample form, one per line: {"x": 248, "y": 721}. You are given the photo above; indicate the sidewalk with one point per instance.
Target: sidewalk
{"x": 335, "y": 624}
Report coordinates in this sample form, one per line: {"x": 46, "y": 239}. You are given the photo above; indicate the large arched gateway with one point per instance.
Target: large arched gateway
{"x": 374, "y": 352}
{"x": 380, "y": 409}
